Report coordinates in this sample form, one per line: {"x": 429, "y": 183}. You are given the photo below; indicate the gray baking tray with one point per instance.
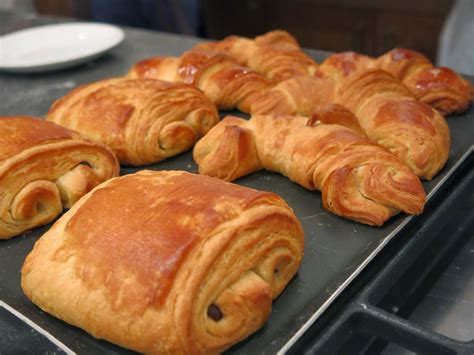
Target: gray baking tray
{"x": 336, "y": 250}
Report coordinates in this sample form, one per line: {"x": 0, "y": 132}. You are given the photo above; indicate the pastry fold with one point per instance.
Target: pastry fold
{"x": 143, "y": 120}
{"x": 227, "y": 84}
{"x": 385, "y": 109}
{"x": 358, "y": 179}
{"x": 192, "y": 266}
{"x": 43, "y": 169}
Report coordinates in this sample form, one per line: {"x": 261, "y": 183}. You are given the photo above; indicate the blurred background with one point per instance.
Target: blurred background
{"x": 441, "y": 29}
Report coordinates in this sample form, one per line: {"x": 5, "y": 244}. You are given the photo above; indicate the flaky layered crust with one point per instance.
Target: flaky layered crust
{"x": 390, "y": 116}
{"x": 142, "y": 120}
{"x": 226, "y": 83}
{"x": 278, "y": 56}
{"x": 190, "y": 267}
{"x": 43, "y": 169}
{"x": 275, "y": 54}
{"x": 439, "y": 87}
{"x": 385, "y": 109}
{"x": 359, "y": 180}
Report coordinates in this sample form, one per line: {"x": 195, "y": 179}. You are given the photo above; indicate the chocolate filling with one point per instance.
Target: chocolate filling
{"x": 86, "y": 163}
{"x": 214, "y": 313}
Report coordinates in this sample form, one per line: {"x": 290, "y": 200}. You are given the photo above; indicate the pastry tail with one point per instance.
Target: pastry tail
{"x": 228, "y": 151}
{"x": 373, "y": 192}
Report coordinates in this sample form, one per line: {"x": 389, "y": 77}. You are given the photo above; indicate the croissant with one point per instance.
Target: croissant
{"x": 144, "y": 121}
{"x": 386, "y": 110}
{"x": 358, "y": 179}
{"x": 276, "y": 54}
{"x": 439, "y": 87}
{"x": 43, "y": 169}
{"x": 226, "y": 83}
{"x": 190, "y": 267}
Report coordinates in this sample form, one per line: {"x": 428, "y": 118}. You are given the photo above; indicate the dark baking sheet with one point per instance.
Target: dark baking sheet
{"x": 336, "y": 249}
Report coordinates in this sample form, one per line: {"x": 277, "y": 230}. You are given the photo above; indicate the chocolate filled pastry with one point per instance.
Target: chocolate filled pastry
{"x": 192, "y": 266}
{"x": 43, "y": 169}
{"x": 358, "y": 179}
{"x": 226, "y": 83}
{"x": 144, "y": 121}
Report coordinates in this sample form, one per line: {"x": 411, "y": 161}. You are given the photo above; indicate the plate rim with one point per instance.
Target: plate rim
{"x": 61, "y": 63}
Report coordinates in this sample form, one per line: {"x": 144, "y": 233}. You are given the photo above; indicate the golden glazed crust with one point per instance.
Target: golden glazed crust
{"x": 439, "y": 87}
{"x": 151, "y": 274}
{"x": 142, "y": 120}
{"x": 43, "y": 169}
{"x": 385, "y": 109}
{"x": 276, "y": 54}
{"x": 358, "y": 179}
{"x": 226, "y": 83}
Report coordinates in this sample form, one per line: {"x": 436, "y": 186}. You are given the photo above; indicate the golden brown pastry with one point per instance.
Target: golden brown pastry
{"x": 226, "y": 83}
{"x": 358, "y": 179}
{"x": 386, "y": 110}
{"x": 190, "y": 267}
{"x": 439, "y": 87}
{"x": 295, "y": 96}
{"x": 43, "y": 169}
{"x": 275, "y": 54}
{"x": 143, "y": 120}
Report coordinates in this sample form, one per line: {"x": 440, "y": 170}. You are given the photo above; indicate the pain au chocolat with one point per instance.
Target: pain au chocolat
{"x": 192, "y": 266}
{"x": 144, "y": 121}
{"x": 43, "y": 169}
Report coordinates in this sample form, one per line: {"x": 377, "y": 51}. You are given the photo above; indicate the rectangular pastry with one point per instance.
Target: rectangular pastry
{"x": 142, "y": 120}
{"x": 191, "y": 266}
{"x": 43, "y": 169}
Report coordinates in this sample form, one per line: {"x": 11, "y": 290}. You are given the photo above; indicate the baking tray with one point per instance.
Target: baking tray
{"x": 336, "y": 249}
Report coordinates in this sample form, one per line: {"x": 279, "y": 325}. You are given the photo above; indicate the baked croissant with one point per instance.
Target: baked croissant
{"x": 439, "y": 87}
{"x": 275, "y": 54}
{"x": 358, "y": 179}
{"x": 43, "y": 169}
{"x": 144, "y": 121}
{"x": 386, "y": 110}
{"x": 226, "y": 83}
{"x": 190, "y": 267}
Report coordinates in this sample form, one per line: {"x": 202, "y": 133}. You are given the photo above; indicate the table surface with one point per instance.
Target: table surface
{"x": 329, "y": 238}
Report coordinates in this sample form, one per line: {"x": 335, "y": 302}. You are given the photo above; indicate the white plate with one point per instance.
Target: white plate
{"x": 56, "y": 46}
